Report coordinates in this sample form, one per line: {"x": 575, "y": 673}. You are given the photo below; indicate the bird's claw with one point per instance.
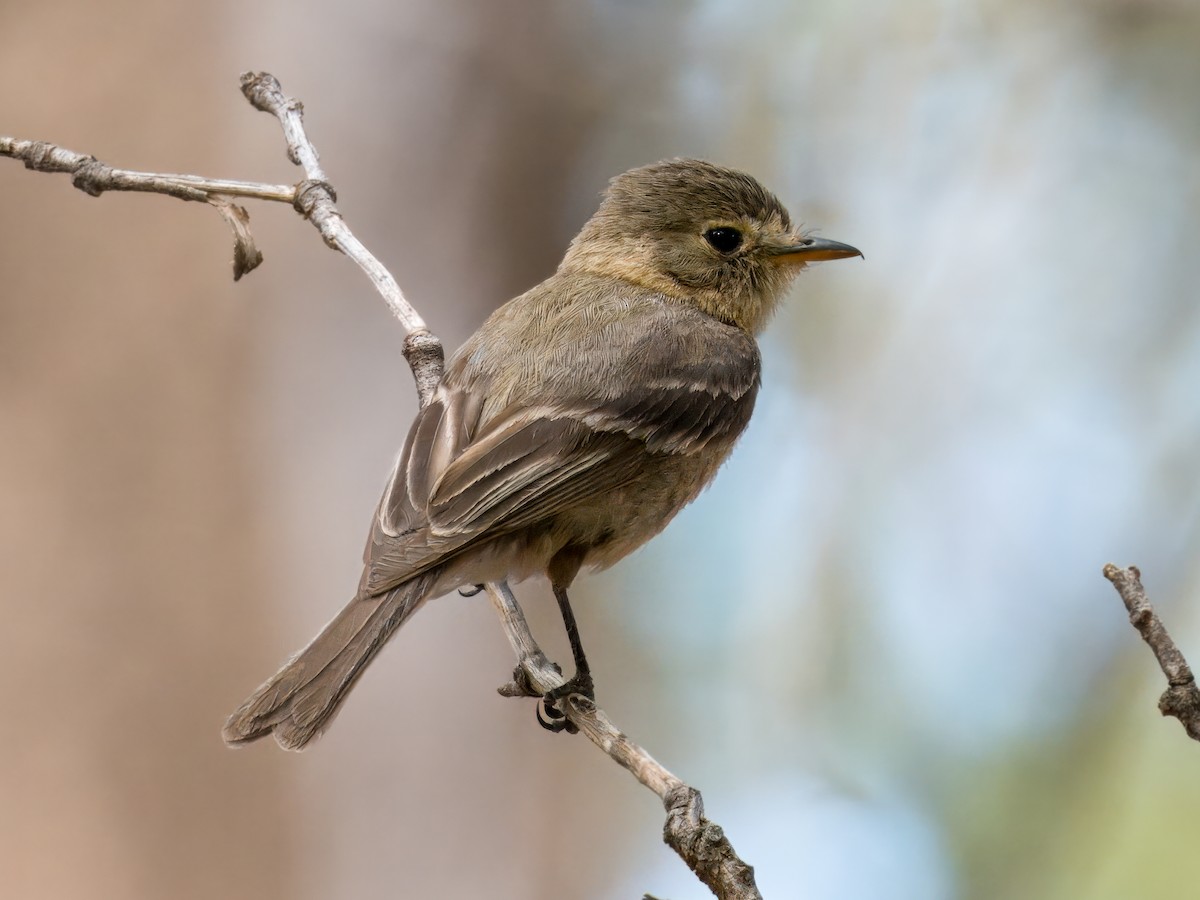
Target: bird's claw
{"x": 554, "y": 719}
{"x": 550, "y": 712}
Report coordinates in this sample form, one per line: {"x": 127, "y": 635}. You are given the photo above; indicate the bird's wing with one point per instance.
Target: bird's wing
{"x": 532, "y": 462}
{"x": 460, "y": 480}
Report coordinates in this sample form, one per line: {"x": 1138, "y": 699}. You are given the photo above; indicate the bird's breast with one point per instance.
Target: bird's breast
{"x": 614, "y": 524}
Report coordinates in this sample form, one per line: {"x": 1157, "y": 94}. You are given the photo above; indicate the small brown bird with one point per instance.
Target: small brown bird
{"x": 572, "y": 426}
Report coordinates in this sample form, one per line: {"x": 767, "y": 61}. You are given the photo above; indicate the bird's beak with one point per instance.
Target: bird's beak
{"x": 811, "y": 249}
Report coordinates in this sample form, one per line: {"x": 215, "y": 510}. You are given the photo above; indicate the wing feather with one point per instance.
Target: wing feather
{"x": 467, "y": 474}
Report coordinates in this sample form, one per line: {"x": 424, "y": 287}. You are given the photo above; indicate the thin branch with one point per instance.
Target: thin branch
{"x": 1181, "y": 699}
{"x": 315, "y": 197}
{"x": 94, "y": 178}
{"x": 698, "y": 841}
{"x": 701, "y": 843}
{"x": 316, "y": 200}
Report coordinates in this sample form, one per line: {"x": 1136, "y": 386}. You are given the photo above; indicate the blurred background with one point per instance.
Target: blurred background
{"x": 881, "y": 643}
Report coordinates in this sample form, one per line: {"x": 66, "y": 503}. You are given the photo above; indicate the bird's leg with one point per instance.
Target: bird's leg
{"x": 580, "y": 683}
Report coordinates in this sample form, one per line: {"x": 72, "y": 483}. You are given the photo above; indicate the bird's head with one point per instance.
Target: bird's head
{"x": 700, "y": 233}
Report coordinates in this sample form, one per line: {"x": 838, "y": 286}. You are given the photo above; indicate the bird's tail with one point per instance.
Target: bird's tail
{"x": 300, "y": 700}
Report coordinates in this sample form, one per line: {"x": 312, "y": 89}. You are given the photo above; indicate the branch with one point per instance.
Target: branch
{"x": 94, "y": 178}
{"x": 698, "y": 841}
{"x": 1181, "y": 699}
{"x": 314, "y": 198}
{"x": 701, "y": 843}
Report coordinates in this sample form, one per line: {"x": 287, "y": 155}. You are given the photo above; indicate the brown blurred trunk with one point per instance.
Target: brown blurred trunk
{"x": 127, "y": 532}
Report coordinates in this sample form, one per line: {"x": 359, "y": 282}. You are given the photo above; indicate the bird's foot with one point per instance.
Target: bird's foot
{"x": 550, "y": 712}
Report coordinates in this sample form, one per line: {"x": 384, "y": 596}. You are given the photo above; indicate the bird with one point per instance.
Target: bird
{"x": 572, "y": 426}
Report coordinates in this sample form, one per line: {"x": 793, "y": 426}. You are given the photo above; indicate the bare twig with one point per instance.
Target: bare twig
{"x": 701, "y": 843}
{"x": 1181, "y": 699}
{"x": 94, "y": 178}
{"x": 316, "y": 200}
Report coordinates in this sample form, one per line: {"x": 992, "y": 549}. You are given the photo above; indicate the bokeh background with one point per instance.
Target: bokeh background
{"x": 880, "y": 644}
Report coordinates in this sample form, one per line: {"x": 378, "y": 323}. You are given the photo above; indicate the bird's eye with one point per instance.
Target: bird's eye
{"x": 724, "y": 239}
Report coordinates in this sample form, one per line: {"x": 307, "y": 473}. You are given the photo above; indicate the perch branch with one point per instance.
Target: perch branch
{"x": 698, "y": 841}
{"x": 1181, "y": 699}
{"x": 701, "y": 843}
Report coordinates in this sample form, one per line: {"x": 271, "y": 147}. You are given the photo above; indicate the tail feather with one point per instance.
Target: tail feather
{"x": 300, "y": 700}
